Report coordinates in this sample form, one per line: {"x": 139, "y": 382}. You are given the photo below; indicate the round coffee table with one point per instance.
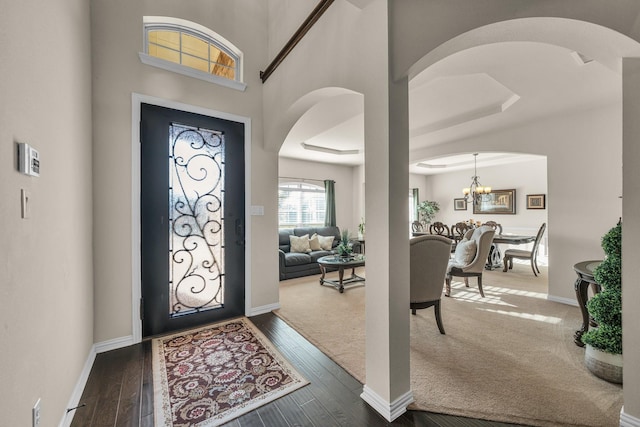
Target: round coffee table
{"x": 338, "y": 262}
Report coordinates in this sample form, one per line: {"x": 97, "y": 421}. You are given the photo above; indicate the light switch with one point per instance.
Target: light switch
{"x": 25, "y": 203}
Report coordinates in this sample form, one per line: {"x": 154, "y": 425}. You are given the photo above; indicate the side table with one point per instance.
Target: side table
{"x": 584, "y": 270}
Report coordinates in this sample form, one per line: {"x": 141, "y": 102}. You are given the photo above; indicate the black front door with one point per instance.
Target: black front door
{"x": 192, "y": 219}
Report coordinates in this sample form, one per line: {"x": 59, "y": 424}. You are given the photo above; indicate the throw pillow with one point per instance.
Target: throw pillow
{"x": 465, "y": 252}
{"x": 314, "y": 243}
{"x": 326, "y": 242}
{"x": 300, "y": 244}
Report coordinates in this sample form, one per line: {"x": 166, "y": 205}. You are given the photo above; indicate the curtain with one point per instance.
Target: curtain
{"x": 330, "y": 200}
{"x": 415, "y": 202}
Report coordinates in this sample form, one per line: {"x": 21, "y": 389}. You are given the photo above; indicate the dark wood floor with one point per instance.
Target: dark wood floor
{"x": 119, "y": 391}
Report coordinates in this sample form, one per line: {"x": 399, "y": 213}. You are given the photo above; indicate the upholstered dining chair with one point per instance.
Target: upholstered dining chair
{"x": 531, "y": 255}
{"x": 470, "y": 257}
{"x": 440, "y": 229}
{"x": 429, "y": 257}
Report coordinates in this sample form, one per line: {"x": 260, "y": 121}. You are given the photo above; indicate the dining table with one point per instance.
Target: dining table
{"x": 494, "y": 260}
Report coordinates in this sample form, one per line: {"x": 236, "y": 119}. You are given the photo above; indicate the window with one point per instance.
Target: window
{"x": 300, "y": 205}
{"x": 413, "y": 205}
{"x": 188, "y": 48}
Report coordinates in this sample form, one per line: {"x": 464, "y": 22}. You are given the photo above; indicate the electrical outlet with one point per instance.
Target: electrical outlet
{"x": 35, "y": 413}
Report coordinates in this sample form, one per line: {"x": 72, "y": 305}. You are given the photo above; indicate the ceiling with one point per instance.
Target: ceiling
{"x": 477, "y": 91}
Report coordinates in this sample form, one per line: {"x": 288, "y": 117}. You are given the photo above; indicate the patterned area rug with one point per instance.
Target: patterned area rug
{"x": 211, "y": 375}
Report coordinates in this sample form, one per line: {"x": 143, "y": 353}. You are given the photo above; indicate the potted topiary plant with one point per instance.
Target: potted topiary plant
{"x": 427, "y": 211}
{"x": 603, "y": 355}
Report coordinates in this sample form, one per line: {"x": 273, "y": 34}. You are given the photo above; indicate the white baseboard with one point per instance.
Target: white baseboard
{"x": 263, "y": 309}
{"x": 562, "y": 300}
{"x": 114, "y": 344}
{"x": 390, "y": 411}
{"x": 74, "y": 400}
{"x": 627, "y": 420}
{"x": 76, "y": 395}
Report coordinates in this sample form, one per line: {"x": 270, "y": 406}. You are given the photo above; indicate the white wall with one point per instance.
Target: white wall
{"x": 584, "y": 170}
{"x": 343, "y": 177}
{"x": 631, "y": 237}
{"x": 526, "y": 178}
{"x": 421, "y": 183}
{"x": 46, "y": 275}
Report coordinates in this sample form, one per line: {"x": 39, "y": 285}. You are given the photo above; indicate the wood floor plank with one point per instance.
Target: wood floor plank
{"x": 146, "y": 398}
{"x": 252, "y": 419}
{"x": 271, "y": 415}
{"x": 316, "y": 411}
{"x": 293, "y": 413}
{"x": 129, "y": 407}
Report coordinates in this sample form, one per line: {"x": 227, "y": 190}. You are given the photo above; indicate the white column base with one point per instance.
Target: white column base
{"x": 390, "y": 411}
{"x": 627, "y": 420}
{"x": 254, "y": 311}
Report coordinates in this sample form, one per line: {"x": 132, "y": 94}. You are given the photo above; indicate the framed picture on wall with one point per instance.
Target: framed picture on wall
{"x": 459, "y": 205}
{"x": 496, "y": 202}
{"x": 535, "y": 201}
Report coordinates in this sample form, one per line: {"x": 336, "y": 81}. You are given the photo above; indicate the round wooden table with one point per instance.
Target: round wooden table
{"x": 338, "y": 262}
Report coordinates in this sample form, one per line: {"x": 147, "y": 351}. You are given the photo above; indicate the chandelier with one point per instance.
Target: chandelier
{"x": 475, "y": 190}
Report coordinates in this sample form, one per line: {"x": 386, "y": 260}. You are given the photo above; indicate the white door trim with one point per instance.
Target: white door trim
{"x": 136, "y": 270}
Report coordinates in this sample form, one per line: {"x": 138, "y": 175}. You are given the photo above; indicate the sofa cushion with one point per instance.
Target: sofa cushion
{"x": 314, "y": 243}
{"x": 294, "y": 258}
{"x": 330, "y": 231}
{"x": 315, "y": 255}
{"x": 300, "y": 244}
{"x": 326, "y": 242}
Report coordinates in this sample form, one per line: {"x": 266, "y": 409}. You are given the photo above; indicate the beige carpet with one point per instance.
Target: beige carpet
{"x": 508, "y": 357}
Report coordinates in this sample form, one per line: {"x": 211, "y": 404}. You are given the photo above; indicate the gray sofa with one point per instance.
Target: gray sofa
{"x": 304, "y": 264}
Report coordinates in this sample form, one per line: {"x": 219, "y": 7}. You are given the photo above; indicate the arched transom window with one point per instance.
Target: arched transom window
{"x": 188, "y": 48}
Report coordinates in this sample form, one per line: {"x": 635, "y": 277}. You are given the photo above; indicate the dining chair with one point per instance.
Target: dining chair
{"x": 470, "y": 257}
{"x": 531, "y": 255}
{"x": 439, "y": 228}
{"x": 496, "y": 226}
{"x": 429, "y": 257}
{"x": 458, "y": 231}
{"x": 416, "y": 226}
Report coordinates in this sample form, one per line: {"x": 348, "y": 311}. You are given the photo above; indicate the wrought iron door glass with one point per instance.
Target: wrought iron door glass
{"x": 196, "y": 235}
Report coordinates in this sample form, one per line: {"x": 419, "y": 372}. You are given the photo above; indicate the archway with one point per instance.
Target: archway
{"x": 535, "y": 46}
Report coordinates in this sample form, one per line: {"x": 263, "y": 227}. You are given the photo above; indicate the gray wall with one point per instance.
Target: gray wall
{"x": 46, "y": 276}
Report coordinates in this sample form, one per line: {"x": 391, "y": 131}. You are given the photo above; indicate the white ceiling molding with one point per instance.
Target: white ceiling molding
{"x": 449, "y": 101}
{"x": 466, "y": 117}
{"x": 360, "y": 4}
{"x": 580, "y": 58}
{"x": 328, "y": 150}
